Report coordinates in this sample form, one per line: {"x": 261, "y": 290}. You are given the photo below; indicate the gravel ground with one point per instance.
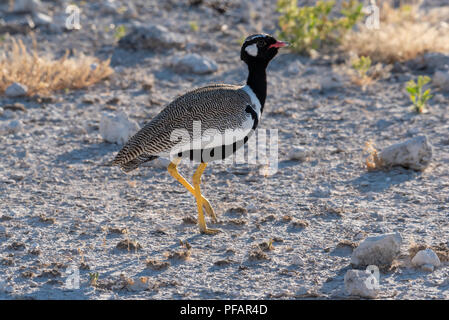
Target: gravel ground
{"x": 61, "y": 207}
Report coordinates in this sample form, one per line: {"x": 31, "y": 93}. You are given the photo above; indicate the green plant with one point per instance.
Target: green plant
{"x": 417, "y": 95}
{"x": 120, "y": 32}
{"x": 194, "y": 26}
{"x": 241, "y": 40}
{"x": 352, "y": 13}
{"x": 93, "y": 278}
{"x": 310, "y": 27}
{"x": 361, "y": 66}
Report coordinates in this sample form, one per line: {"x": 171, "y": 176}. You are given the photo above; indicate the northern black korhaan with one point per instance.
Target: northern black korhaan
{"x": 215, "y": 108}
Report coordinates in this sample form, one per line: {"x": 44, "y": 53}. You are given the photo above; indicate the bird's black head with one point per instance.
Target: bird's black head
{"x": 260, "y": 49}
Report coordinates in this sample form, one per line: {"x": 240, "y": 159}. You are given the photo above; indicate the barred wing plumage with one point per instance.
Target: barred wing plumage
{"x": 220, "y": 107}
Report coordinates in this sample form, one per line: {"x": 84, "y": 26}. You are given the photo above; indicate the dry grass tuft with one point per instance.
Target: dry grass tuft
{"x": 43, "y": 75}
{"x": 128, "y": 245}
{"x": 415, "y": 248}
{"x": 346, "y": 244}
{"x": 157, "y": 265}
{"x": 266, "y": 245}
{"x": 183, "y": 254}
{"x": 404, "y": 34}
{"x": 297, "y": 223}
{"x": 442, "y": 250}
{"x": 258, "y": 255}
{"x": 373, "y": 162}
{"x": 189, "y": 220}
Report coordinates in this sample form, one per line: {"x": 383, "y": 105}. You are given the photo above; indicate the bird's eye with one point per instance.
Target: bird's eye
{"x": 261, "y": 43}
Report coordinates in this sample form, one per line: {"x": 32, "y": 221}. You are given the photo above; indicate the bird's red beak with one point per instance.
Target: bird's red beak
{"x": 278, "y": 44}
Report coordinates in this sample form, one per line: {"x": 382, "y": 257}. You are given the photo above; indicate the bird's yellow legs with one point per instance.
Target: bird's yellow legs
{"x": 196, "y": 185}
{"x": 201, "y": 201}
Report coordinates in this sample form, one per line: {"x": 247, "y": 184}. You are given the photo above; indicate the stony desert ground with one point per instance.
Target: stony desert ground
{"x": 289, "y": 235}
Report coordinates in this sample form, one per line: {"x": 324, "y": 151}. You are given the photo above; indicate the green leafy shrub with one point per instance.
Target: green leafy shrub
{"x": 120, "y": 32}
{"x": 361, "y": 66}
{"x": 417, "y": 95}
{"x": 194, "y": 26}
{"x": 310, "y": 27}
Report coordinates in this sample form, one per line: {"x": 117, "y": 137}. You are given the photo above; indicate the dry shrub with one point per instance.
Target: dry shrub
{"x": 157, "y": 265}
{"x": 42, "y": 75}
{"x": 404, "y": 34}
{"x": 373, "y": 162}
{"x": 415, "y": 248}
{"x": 183, "y": 254}
{"x": 441, "y": 250}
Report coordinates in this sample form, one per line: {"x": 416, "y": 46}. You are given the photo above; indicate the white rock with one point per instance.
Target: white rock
{"x": 321, "y": 192}
{"x": 361, "y": 283}
{"x": 109, "y": 6}
{"x": 439, "y": 98}
{"x": 434, "y": 60}
{"x": 298, "y": 153}
{"x": 117, "y": 128}
{"x": 194, "y": 63}
{"x": 441, "y": 80}
{"x": 1, "y": 111}
{"x": 42, "y": 19}
{"x": 139, "y": 284}
{"x": 415, "y": 153}
{"x": 29, "y": 6}
{"x": 331, "y": 82}
{"x": 377, "y": 250}
{"x": 297, "y": 261}
{"x": 155, "y": 37}
{"x": 424, "y": 257}
{"x": 295, "y": 68}
{"x": 11, "y": 127}
{"x": 16, "y": 90}
{"x": 427, "y": 267}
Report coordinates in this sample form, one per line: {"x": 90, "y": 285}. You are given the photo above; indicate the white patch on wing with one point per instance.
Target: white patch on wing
{"x": 209, "y": 138}
{"x": 252, "y": 50}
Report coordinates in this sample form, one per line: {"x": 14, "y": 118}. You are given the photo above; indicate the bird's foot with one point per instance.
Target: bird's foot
{"x": 209, "y": 210}
{"x": 209, "y": 231}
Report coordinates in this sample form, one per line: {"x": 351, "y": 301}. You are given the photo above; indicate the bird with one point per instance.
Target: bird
{"x": 216, "y": 108}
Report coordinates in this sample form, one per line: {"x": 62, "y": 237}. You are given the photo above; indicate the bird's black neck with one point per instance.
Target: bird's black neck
{"x": 257, "y": 81}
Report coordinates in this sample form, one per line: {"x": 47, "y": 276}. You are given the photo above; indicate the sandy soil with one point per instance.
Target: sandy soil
{"x": 61, "y": 207}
